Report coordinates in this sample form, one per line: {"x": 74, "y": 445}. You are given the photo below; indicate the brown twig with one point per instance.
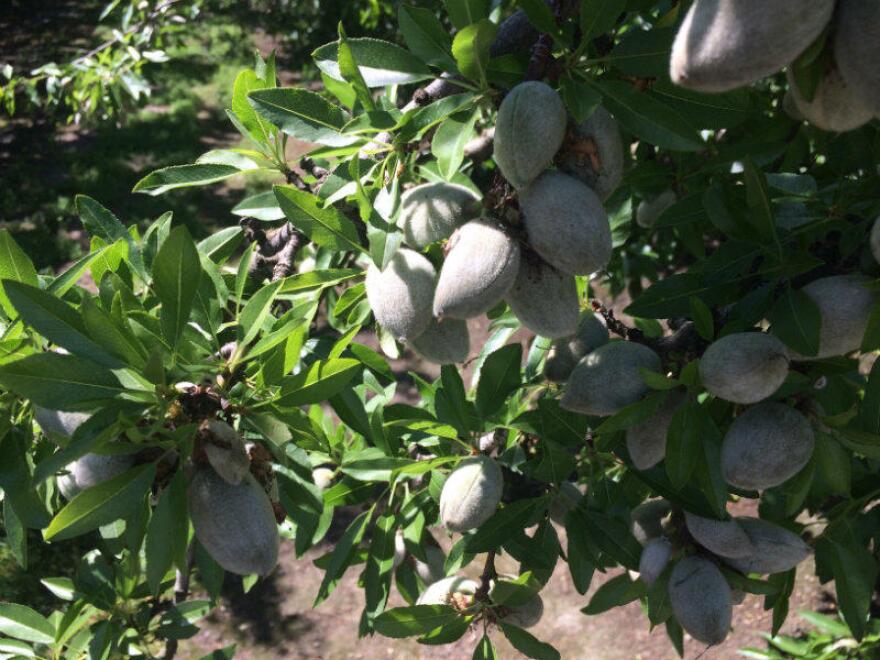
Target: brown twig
{"x": 276, "y": 249}
{"x": 486, "y": 578}
{"x": 181, "y": 593}
{"x": 684, "y": 340}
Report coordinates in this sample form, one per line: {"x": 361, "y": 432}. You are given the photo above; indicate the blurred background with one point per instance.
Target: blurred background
{"x": 94, "y": 94}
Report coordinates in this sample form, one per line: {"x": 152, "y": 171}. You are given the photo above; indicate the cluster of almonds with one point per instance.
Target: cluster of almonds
{"x": 231, "y": 511}
{"x": 715, "y": 51}
{"x": 566, "y": 233}
{"x": 768, "y": 443}
{"x": 702, "y": 600}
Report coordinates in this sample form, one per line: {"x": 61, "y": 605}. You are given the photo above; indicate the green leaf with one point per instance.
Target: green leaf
{"x": 302, "y": 114}
{"x": 702, "y": 317}
{"x": 758, "y": 199}
{"x": 449, "y": 141}
{"x": 613, "y": 537}
{"x": 541, "y": 16}
{"x": 464, "y": 12}
{"x": 710, "y": 111}
{"x": 262, "y": 206}
{"x": 341, "y": 90}
{"x": 16, "y": 534}
{"x": 318, "y": 382}
{"x": 18, "y": 485}
{"x": 102, "y": 504}
{"x": 485, "y": 649}
{"x": 471, "y": 49}
{"x": 796, "y": 320}
{"x": 644, "y": 53}
{"x": 61, "y": 587}
{"x": 184, "y": 176}
{"x": 371, "y": 464}
{"x": 342, "y": 556}
{"x": 582, "y": 553}
{"x": 669, "y": 296}
{"x": 871, "y": 341}
{"x": 326, "y": 227}
{"x": 417, "y": 122}
{"x": 657, "y": 599}
{"x": 59, "y": 382}
{"x": 425, "y": 36}
{"x": 614, "y": 593}
{"x": 66, "y": 280}
{"x": 556, "y": 462}
{"x": 515, "y": 592}
{"x": 528, "y": 644}
{"x": 861, "y": 442}
{"x": 15, "y": 266}
{"x": 633, "y": 414}
{"x": 381, "y": 63}
{"x": 100, "y": 221}
{"x": 254, "y": 314}
{"x": 318, "y": 279}
{"x": 218, "y": 247}
{"x": 112, "y": 334}
{"x": 683, "y": 445}
{"x": 499, "y": 376}
{"x": 348, "y": 69}
{"x": 22, "y": 622}
{"x": 402, "y": 622}
{"x": 855, "y": 572}
{"x": 599, "y": 16}
{"x": 304, "y": 503}
{"x": 834, "y": 463}
{"x": 499, "y": 528}
{"x": 869, "y": 413}
{"x": 57, "y": 321}
{"x": 648, "y": 117}
{"x": 176, "y": 274}
{"x": 226, "y": 653}
{"x": 245, "y": 82}
{"x": 380, "y": 563}
{"x": 167, "y": 533}
{"x": 712, "y": 486}
{"x": 676, "y": 635}
{"x": 580, "y": 99}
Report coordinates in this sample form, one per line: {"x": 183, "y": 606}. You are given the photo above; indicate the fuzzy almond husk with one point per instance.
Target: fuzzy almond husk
{"x": 701, "y": 599}
{"x": 744, "y": 367}
{"x": 430, "y": 212}
{"x": 235, "y": 524}
{"x": 566, "y": 224}
{"x": 857, "y": 49}
{"x": 596, "y": 154}
{"x": 529, "y": 130}
{"x": 401, "y": 295}
{"x": 544, "y": 300}
{"x": 479, "y": 270}
{"x": 765, "y": 446}
{"x": 471, "y": 494}
{"x": 725, "y": 44}
{"x": 608, "y": 379}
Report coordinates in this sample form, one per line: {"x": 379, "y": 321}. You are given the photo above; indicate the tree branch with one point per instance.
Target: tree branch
{"x": 181, "y": 593}
{"x": 486, "y": 578}
{"x": 685, "y": 338}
